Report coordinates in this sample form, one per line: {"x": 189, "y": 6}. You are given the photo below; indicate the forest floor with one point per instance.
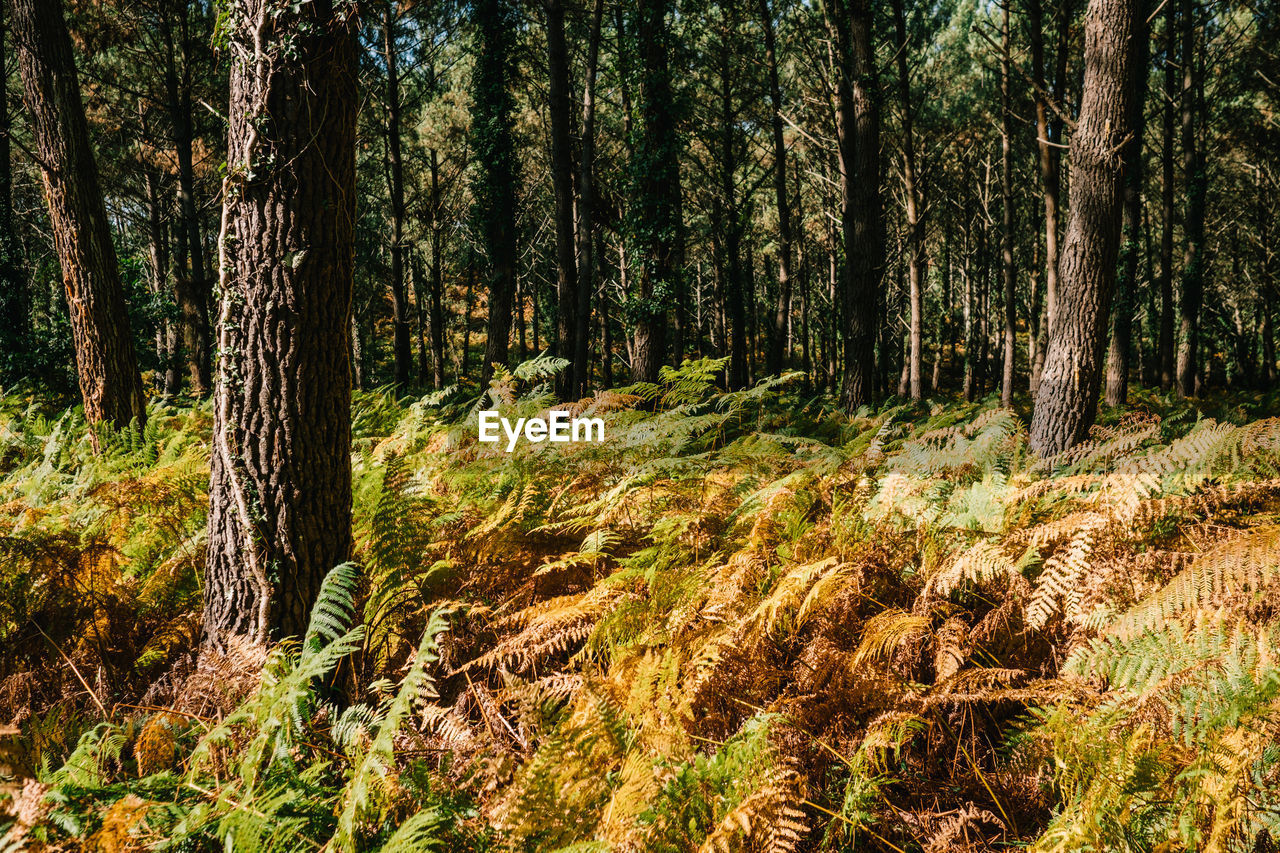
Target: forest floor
{"x": 745, "y": 621}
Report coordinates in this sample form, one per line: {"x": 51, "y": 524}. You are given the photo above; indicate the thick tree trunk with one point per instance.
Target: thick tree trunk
{"x": 105, "y": 361}
{"x": 656, "y": 206}
{"x": 495, "y": 186}
{"x": 1193, "y": 167}
{"x": 280, "y": 499}
{"x": 782, "y": 309}
{"x": 561, "y": 133}
{"x": 401, "y": 345}
{"x": 1121, "y": 345}
{"x": 858, "y": 129}
{"x": 586, "y": 209}
{"x": 1066, "y": 402}
{"x": 1006, "y": 212}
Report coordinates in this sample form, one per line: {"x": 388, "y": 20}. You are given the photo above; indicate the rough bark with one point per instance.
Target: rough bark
{"x": 106, "y": 365}
{"x": 495, "y": 184}
{"x": 280, "y": 499}
{"x": 858, "y": 130}
{"x": 1066, "y": 402}
{"x": 655, "y": 211}
{"x": 1120, "y": 349}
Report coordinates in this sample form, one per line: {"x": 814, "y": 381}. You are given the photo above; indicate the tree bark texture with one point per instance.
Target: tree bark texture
{"x": 655, "y": 207}
{"x": 1066, "y": 401}
{"x": 280, "y": 514}
{"x": 1120, "y": 348}
{"x": 858, "y": 130}
{"x": 106, "y": 364}
{"x": 495, "y": 185}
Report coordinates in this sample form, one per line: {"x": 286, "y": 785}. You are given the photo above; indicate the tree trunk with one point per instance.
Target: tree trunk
{"x": 1006, "y": 208}
{"x": 1193, "y": 167}
{"x": 436, "y": 314}
{"x": 1068, "y": 395}
{"x": 191, "y": 285}
{"x": 158, "y": 234}
{"x": 106, "y": 365}
{"x": 1048, "y": 134}
{"x": 586, "y": 210}
{"x": 656, "y": 206}
{"x": 782, "y": 309}
{"x": 858, "y": 129}
{"x": 401, "y": 345}
{"x": 280, "y": 499}
{"x": 731, "y": 224}
{"x": 15, "y": 309}
{"x": 1121, "y": 345}
{"x": 1167, "y": 345}
{"x": 495, "y": 186}
{"x": 915, "y": 231}
{"x": 561, "y": 133}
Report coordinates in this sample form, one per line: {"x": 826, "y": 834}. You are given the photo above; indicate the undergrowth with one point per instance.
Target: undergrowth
{"x": 744, "y": 621}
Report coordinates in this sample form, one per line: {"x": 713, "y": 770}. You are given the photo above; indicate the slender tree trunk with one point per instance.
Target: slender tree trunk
{"x": 280, "y": 499}
{"x": 436, "y": 313}
{"x": 157, "y": 232}
{"x": 495, "y": 186}
{"x": 782, "y": 309}
{"x": 1047, "y": 136}
{"x": 915, "y": 230}
{"x": 1167, "y": 341}
{"x": 561, "y": 134}
{"x": 1121, "y": 345}
{"x": 586, "y": 209}
{"x": 1066, "y": 402}
{"x": 15, "y": 308}
{"x": 401, "y": 345}
{"x": 944, "y": 308}
{"x": 191, "y": 284}
{"x": 1193, "y": 167}
{"x": 1006, "y": 207}
{"x": 418, "y": 288}
{"x": 858, "y": 129}
{"x": 106, "y": 365}
{"x": 465, "y": 369}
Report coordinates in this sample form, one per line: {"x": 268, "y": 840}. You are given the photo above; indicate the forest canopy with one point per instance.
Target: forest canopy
{"x": 932, "y": 350}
